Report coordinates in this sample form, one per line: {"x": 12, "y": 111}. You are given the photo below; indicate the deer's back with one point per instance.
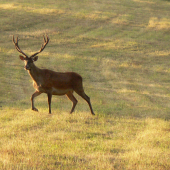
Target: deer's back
{"x": 61, "y": 79}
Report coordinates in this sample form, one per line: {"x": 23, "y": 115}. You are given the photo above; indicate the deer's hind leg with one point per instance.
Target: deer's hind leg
{"x": 73, "y": 99}
{"x": 81, "y": 93}
{"x": 32, "y": 100}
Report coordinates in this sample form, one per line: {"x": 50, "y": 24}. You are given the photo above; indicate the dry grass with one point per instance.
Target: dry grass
{"x": 159, "y": 24}
{"x": 121, "y": 49}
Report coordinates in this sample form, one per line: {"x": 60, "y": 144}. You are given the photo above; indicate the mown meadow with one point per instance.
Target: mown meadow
{"x": 121, "y": 49}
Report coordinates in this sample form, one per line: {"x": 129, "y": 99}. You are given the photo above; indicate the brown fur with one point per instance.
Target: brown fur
{"x": 52, "y": 83}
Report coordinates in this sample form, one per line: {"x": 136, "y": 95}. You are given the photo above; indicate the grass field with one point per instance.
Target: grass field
{"x": 122, "y": 50}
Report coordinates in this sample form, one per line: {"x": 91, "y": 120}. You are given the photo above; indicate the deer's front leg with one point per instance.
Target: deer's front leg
{"x": 32, "y": 100}
{"x": 49, "y": 102}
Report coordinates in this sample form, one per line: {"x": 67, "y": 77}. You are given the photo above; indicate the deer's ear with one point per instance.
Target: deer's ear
{"x": 21, "y": 57}
{"x": 35, "y": 58}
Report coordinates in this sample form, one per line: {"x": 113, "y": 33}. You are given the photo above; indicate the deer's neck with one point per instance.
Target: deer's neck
{"x": 35, "y": 73}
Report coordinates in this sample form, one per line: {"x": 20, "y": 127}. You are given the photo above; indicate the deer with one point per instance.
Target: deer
{"x": 51, "y": 82}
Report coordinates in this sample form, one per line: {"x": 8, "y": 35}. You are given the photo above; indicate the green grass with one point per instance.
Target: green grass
{"x": 121, "y": 49}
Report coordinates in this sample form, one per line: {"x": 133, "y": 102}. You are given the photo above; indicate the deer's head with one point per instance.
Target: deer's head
{"x": 29, "y": 60}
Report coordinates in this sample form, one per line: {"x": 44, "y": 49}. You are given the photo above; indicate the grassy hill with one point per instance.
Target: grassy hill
{"x": 121, "y": 49}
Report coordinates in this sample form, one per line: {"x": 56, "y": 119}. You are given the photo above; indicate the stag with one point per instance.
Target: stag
{"x": 51, "y": 82}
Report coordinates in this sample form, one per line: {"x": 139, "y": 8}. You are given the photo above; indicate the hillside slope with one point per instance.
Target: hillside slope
{"x": 121, "y": 49}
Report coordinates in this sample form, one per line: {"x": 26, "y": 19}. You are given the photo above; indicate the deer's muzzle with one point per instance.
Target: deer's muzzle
{"x": 27, "y": 68}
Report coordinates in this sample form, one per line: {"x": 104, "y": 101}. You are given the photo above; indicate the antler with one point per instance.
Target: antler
{"x": 17, "y": 46}
{"x": 43, "y": 45}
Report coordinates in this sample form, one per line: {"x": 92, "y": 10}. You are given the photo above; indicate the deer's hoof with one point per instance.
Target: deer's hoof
{"x": 35, "y": 109}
